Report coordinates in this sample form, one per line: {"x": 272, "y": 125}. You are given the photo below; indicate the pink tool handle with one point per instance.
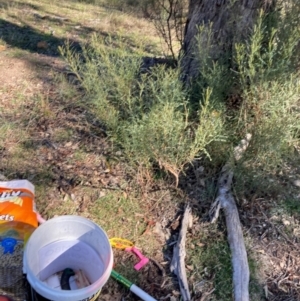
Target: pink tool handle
{"x": 143, "y": 260}
{"x": 40, "y": 219}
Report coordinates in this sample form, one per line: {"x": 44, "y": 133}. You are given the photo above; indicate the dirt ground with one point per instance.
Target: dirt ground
{"x": 273, "y": 238}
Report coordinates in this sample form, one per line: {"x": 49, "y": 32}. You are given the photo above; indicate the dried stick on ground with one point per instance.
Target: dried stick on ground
{"x": 226, "y": 201}
{"x": 177, "y": 264}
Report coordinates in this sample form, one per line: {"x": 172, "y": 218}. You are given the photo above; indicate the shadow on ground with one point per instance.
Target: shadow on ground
{"x": 5, "y": 4}
{"x": 27, "y": 38}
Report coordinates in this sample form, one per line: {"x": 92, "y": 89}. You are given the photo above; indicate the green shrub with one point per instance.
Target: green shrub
{"x": 147, "y": 114}
{"x": 158, "y": 121}
{"x": 271, "y": 90}
{"x": 263, "y": 72}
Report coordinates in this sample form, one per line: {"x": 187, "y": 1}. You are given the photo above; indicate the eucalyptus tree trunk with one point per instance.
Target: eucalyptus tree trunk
{"x": 217, "y": 24}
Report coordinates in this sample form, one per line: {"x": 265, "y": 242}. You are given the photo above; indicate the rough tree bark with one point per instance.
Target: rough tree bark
{"x": 228, "y": 21}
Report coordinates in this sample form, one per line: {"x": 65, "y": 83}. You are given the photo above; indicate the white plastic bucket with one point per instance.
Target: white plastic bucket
{"x": 68, "y": 242}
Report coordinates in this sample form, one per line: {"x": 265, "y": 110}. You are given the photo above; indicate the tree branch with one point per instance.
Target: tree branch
{"x": 235, "y": 237}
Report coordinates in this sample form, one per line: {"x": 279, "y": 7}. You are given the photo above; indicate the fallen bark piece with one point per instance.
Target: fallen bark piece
{"x": 178, "y": 264}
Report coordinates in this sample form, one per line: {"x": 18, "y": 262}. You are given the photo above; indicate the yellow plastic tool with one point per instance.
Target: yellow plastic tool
{"x": 120, "y": 243}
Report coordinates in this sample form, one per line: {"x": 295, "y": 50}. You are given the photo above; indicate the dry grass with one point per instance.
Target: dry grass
{"x": 77, "y": 21}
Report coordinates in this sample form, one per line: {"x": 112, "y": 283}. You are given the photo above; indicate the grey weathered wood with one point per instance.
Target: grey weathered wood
{"x": 235, "y": 238}
{"x": 178, "y": 263}
{"x": 225, "y": 200}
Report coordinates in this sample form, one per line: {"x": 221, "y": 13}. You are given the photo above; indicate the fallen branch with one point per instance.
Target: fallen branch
{"x": 177, "y": 264}
{"x": 206, "y": 294}
{"x": 226, "y": 201}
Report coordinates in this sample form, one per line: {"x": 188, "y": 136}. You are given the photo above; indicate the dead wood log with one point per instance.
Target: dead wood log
{"x": 178, "y": 264}
{"x": 225, "y": 200}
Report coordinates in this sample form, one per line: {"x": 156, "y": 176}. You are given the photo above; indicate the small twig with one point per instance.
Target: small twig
{"x": 206, "y": 294}
{"x": 172, "y": 243}
{"x": 163, "y": 272}
{"x": 166, "y": 297}
{"x": 278, "y": 229}
{"x": 214, "y": 210}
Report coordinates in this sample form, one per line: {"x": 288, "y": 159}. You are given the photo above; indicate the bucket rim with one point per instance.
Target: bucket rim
{"x": 60, "y": 295}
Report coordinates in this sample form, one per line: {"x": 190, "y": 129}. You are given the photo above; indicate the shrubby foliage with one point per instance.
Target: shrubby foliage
{"x": 156, "y": 120}
{"x": 147, "y": 114}
{"x": 262, "y": 75}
